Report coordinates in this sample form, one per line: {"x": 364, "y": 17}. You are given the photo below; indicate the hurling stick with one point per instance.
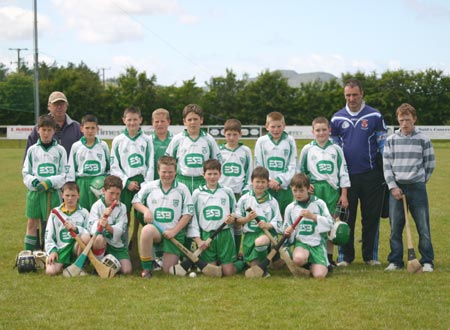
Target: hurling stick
{"x": 76, "y": 268}
{"x": 293, "y": 268}
{"x": 207, "y": 269}
{"x": 187, "y": 264}
{"x": 259, "y": 269}
{"x": 414, "y": 265}
{"x": 134, "y": 250}
{"x": 102, "y": 270}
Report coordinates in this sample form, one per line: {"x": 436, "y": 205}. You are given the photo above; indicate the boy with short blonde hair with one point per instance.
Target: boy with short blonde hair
{"x": 277, "y": 152}
{"x": 89, "y": 162}
{"x": 161, "y": 136}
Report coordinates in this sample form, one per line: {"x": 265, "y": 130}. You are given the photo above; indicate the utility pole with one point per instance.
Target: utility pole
{"x": 36, "y": 63}
{"x": 18, "y": 56}
{"x": 103, "y": 75}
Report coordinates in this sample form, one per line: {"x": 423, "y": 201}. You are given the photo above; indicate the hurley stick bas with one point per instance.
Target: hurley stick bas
{"x": 76, "y": 268}
{"x": 293, "y": 268}
{"x": 207, "y": 269}
{"x": 102, "y": 270}
{"x": 259, "y": 269}
{"x": 133, "y": 245}
{"x": 414, "y": 265}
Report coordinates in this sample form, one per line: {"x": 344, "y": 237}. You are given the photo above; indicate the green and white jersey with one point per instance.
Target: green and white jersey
{"x": 159, "y": 149}
{"x": 45, "y": 164}
{"x": 278, "y": 157}
{"x": 211, "y": 208}
{"x": 117, "y": 220}
{"x": 266, "y": 207}
{"x": 167, "y": 207}
{"x": 191, "y": 154}
{"x": 132, "y": 156}
{"x": 325, "y": 163}
{"x": 57, "y": 236}
{"x": 237, "y": 168}
{"x": 88, "y": 160}
{"x": 309, "y": 231}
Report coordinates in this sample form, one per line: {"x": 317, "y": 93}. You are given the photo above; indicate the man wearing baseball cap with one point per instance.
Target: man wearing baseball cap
{"x": 67, "y": 130}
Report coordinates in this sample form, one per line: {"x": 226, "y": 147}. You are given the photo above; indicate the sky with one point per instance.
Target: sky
{"x": 178, "y": 40}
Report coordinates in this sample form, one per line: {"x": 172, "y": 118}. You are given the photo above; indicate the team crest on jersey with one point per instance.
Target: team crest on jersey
{"x": 204, "y": 150}
{"x": 242, "y": 159}
{"x": 345, "y": 125}
{"x": 154, "y": 201}
{"x": 364, "y": 124}
{"x": 286, "y": 152}
{"x": 111, "y": 160}
{"x": 100, "y": 156}
{"x": 223, "y": 201}
{"x": 176, "y": 203}
{"x": 142, "y": 149}
{"x": 82, "y": 159}
{"x": 66, "y": 168}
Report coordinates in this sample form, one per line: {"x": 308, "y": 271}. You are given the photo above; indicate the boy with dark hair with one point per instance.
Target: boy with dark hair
{"x": 89, "y": 162}
{"x": 236, "y": 167}
{"x": 265, "y": 207}
{"x": 277, "y": 152}
{"x": 44, "y": 173}
{"x": 213, "y": 205}
{"x": 169, "y": 203}
{"x": 112, "y": 238}
{"x": 309, "y": 244}
{"x": 192, "y": 147}
{"x": 408, "y": 164}
{"x": 61, "y": 248}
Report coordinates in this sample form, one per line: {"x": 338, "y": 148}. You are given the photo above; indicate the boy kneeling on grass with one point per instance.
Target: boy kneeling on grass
{"x": 309, "y": 244}
{"x": 112, "y": 239}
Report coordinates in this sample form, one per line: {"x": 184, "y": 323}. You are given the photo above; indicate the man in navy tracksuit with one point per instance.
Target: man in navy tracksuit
{"x": 360, "y": 130}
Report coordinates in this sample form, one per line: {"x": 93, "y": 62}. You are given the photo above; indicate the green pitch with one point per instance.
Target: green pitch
{"x": 358, "y": 297}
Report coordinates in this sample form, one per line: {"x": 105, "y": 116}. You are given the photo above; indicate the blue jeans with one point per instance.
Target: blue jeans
{"x": 417, "y": 200}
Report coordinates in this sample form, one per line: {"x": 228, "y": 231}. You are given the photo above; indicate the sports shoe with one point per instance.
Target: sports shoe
{"x": 428, "y": 268}
{"x": 391, "y": 267}
{"x": 146, "y": 273}
{"x": 157, "y": 264}
{"x": 373, "y": 263}
{"x": 343, "y": 264}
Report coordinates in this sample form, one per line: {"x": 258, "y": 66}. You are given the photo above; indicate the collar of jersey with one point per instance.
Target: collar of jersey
{"x": 54, "y": 142}
{"x": 202, "y": 133}
{"x": 169, "y": 135}
{"x": 68, "y": 212}
{"x": 282, "y": 137}
{"x": 83, "y": 141}
{"x": 264, "y": 198}
{"x": 174, "y": 185}
{"x": 223, "y": 146}
{"x": 125, "y": 131}
{"x": 304, "y": 204}
{"x": 329, "y": 143}
{"x": 206, "y": 189}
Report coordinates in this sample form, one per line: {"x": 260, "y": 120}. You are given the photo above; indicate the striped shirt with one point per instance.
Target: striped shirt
{"x": 408, "y": 159}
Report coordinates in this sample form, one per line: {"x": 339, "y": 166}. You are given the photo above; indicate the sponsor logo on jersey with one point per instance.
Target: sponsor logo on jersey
{"x": 135, "y": 160}
{"x": 91, "y": 167}
{"x": 164, "y": 214}
{"x": 276, "y": 164}
{"x": 307, "y": 227}
{"x": 193, "y": 160}
{"x": 213, "y": 213}
{"x": 253, "y": 225}
{"x": 232, "y": 169}
{"x": 65, "y": 236}
{"x": 325, "y": 167}
{"x": 46, "y": 170}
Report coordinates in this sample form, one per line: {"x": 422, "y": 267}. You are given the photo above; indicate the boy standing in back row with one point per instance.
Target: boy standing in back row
{"x": 236, "y": 167}
{"x": 408, "y": 164}
{"x": 324, "y": 164}
{"x": 161, "y": 136}
{"x": 277, "y": 152}
{"x": 88, "y": 161}
{"x": 44, "y": 173}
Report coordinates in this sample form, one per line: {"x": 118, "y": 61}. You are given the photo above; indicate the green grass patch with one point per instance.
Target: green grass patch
{"x": 358, "y": 297}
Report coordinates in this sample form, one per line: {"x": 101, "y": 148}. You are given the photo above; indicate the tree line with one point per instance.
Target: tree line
{"x": 223, "y": 97}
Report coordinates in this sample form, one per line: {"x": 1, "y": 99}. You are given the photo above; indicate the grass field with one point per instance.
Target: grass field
{"x": 358, "y": 297}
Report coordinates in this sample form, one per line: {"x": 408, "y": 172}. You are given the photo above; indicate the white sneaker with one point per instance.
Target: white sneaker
{"x": 343, "y": 264}
{"x": 427, "y": 268}
{"x": 391, "y": 267}
{"x": 373, "y": 263}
